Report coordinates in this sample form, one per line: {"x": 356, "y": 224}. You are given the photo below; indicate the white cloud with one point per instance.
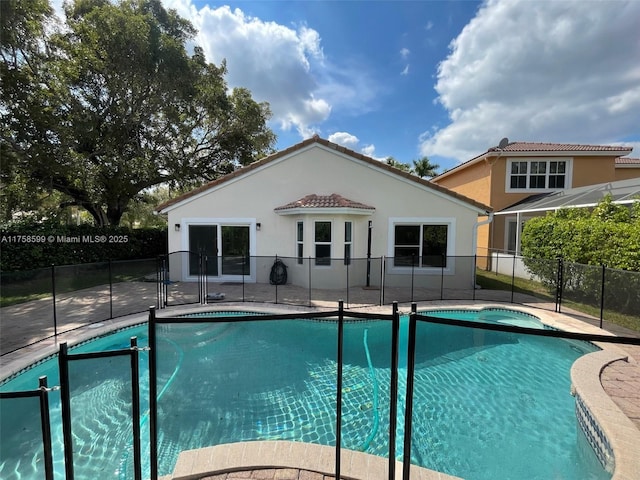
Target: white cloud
{"x": 369, "y": 151}
{"x": 345, "y": 139}
{"x": 281, "y": 65}
{"x": 404, "y": 53}
{"x": 429, "y": 25}
{"x": 554, "y": 71}
{"x": 405, "y": 71}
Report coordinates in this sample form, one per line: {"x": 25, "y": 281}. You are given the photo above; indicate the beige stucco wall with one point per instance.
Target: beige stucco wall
{"x": 625, "y": 173}
{"x": 316, "y": 169}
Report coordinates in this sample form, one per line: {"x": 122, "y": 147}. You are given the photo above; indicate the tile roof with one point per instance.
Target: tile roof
{"x": 558, "y": 147}
{"x": 339, "y": 148}
{"x": 542, "y": 148}
{"x": 324, "y": 201}
{"x": 627, "y": 161}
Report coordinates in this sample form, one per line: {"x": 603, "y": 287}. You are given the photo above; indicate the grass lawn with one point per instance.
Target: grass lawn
{"x": 493, "y": 281}
{"x": 20, "y": 287}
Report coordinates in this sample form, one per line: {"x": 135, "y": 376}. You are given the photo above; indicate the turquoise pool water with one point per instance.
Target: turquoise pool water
{"x": 487, "y": 405}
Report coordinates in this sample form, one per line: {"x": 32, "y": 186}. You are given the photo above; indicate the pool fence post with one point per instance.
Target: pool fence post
{"x": 559, "y": 281}
{"x": 135, "y": 408}
{"x": 65, "y": 404}
{"x": 513, "y": 277}
{"x": 110, "y": 291}
{"x": 442, "y": 262}
{"x": 153, "y": 399}
{"x": 602, "y": 295}
{"x": 348, "y": 284}
{"x": 413, "y": 269}
{"x": 383, "y": 262}
{"x": 339, "y": 386}
{"x": 244, "y": 269}
{"x": 53, "y": 294}
{"x": 45, "y": 421}
{"x": 310, "y": 298}
{"x": 411, "y": 367}
{"x": 393, "y": 407}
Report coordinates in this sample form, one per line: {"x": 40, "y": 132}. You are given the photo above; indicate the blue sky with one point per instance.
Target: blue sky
{"x": 446, "y": 79}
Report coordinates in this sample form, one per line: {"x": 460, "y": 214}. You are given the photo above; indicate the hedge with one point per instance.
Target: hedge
{"x": 27, "y": 246}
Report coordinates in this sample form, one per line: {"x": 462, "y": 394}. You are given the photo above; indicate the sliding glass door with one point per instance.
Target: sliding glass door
{"x": 227, "y": 248}
{"x": 235, "y": 250}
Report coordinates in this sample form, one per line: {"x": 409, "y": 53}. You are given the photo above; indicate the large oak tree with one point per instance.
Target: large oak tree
{"x": 110, "y": 103}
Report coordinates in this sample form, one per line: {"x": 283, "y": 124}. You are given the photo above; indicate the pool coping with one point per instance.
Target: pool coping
{"x": 280, "y": 454}
{"x": 619, "y": 431}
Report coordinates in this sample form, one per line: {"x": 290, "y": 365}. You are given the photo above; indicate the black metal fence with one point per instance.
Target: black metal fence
{"x": 43, "y": 303}
{"x": 174, "y": 384}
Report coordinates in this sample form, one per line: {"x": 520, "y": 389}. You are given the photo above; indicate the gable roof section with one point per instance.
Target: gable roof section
{"x": 515, "y": 149}
{"x": 175, "y": 202}
{"x": 322, "y": 203}
{"x": 622, "y": 192}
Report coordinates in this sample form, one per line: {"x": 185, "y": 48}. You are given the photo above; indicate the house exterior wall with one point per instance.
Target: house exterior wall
{"x": 593, "y": 170}
{"x": 486, "y": 181}
{"x": 626, "y": 173}
{"x": 251, "y": 198}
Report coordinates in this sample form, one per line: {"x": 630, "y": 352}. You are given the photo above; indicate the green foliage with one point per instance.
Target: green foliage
{"x": 424, "y": 168}
{"x": 30, "y": 245}
{"x": 111, "y": 104}
{"x": 608, "y": 235}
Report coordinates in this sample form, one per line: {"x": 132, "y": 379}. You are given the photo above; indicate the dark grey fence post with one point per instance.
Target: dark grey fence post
{"x": 513, "y": 276}
{"x": 602, "y": 295}
{"x": 65, "y": 404}
{"x": 110, "y": 291}
{"x": 339, "y": 386}
{"x": 443, "y": 261}
{"x": 276, "y": 283}
{"x": 475, "y": 270}
{"x": 393, "y": 407}
{"x": 153, "y": 396}
{"x": 53, "y": 293}
{"x": 413, "y": 267}
{"x": 310, "y": 299}
{"x": 411, "y": 369}
{"x": 559, "y": 282}
{"x": 135, "y": 408}
{"x": 45, "y": 422}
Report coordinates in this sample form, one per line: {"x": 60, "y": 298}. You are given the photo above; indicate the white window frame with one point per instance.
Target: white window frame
{"x": 568, "y": 174}
{"x": 348, "y": 243}
{"x": 299, "y": 242}
{"x": 507, "y": 222}
{"x": 450, "y": 222}
{"x": 220, "y": 222}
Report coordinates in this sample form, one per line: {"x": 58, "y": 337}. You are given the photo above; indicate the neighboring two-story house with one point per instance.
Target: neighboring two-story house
{"x": 514, "y": 171}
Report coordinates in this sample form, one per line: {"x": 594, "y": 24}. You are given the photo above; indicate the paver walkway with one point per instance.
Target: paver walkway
{"x": 270, "y": 474}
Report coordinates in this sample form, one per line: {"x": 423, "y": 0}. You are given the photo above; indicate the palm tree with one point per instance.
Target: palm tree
{"x": 424, "y": 168}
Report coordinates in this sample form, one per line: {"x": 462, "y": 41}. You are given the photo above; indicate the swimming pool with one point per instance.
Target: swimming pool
{"x": 482, "y": 408}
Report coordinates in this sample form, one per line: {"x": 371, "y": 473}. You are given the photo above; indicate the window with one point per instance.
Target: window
{"x": 300, "y": 241}
{"x": 347, "y": 243}
{"x": 537, "y": 174}
{"x": 323, "y": 243}
{"x": 420, "y": 245}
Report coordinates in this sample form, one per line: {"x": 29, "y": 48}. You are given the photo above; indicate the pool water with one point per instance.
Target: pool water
{"x": 482, "y": 408}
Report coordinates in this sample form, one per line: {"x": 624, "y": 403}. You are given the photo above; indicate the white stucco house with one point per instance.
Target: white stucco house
{"x": 323, "y": 208}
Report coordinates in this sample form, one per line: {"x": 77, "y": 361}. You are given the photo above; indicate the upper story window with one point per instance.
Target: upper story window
{"x": 537, "y": 175}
